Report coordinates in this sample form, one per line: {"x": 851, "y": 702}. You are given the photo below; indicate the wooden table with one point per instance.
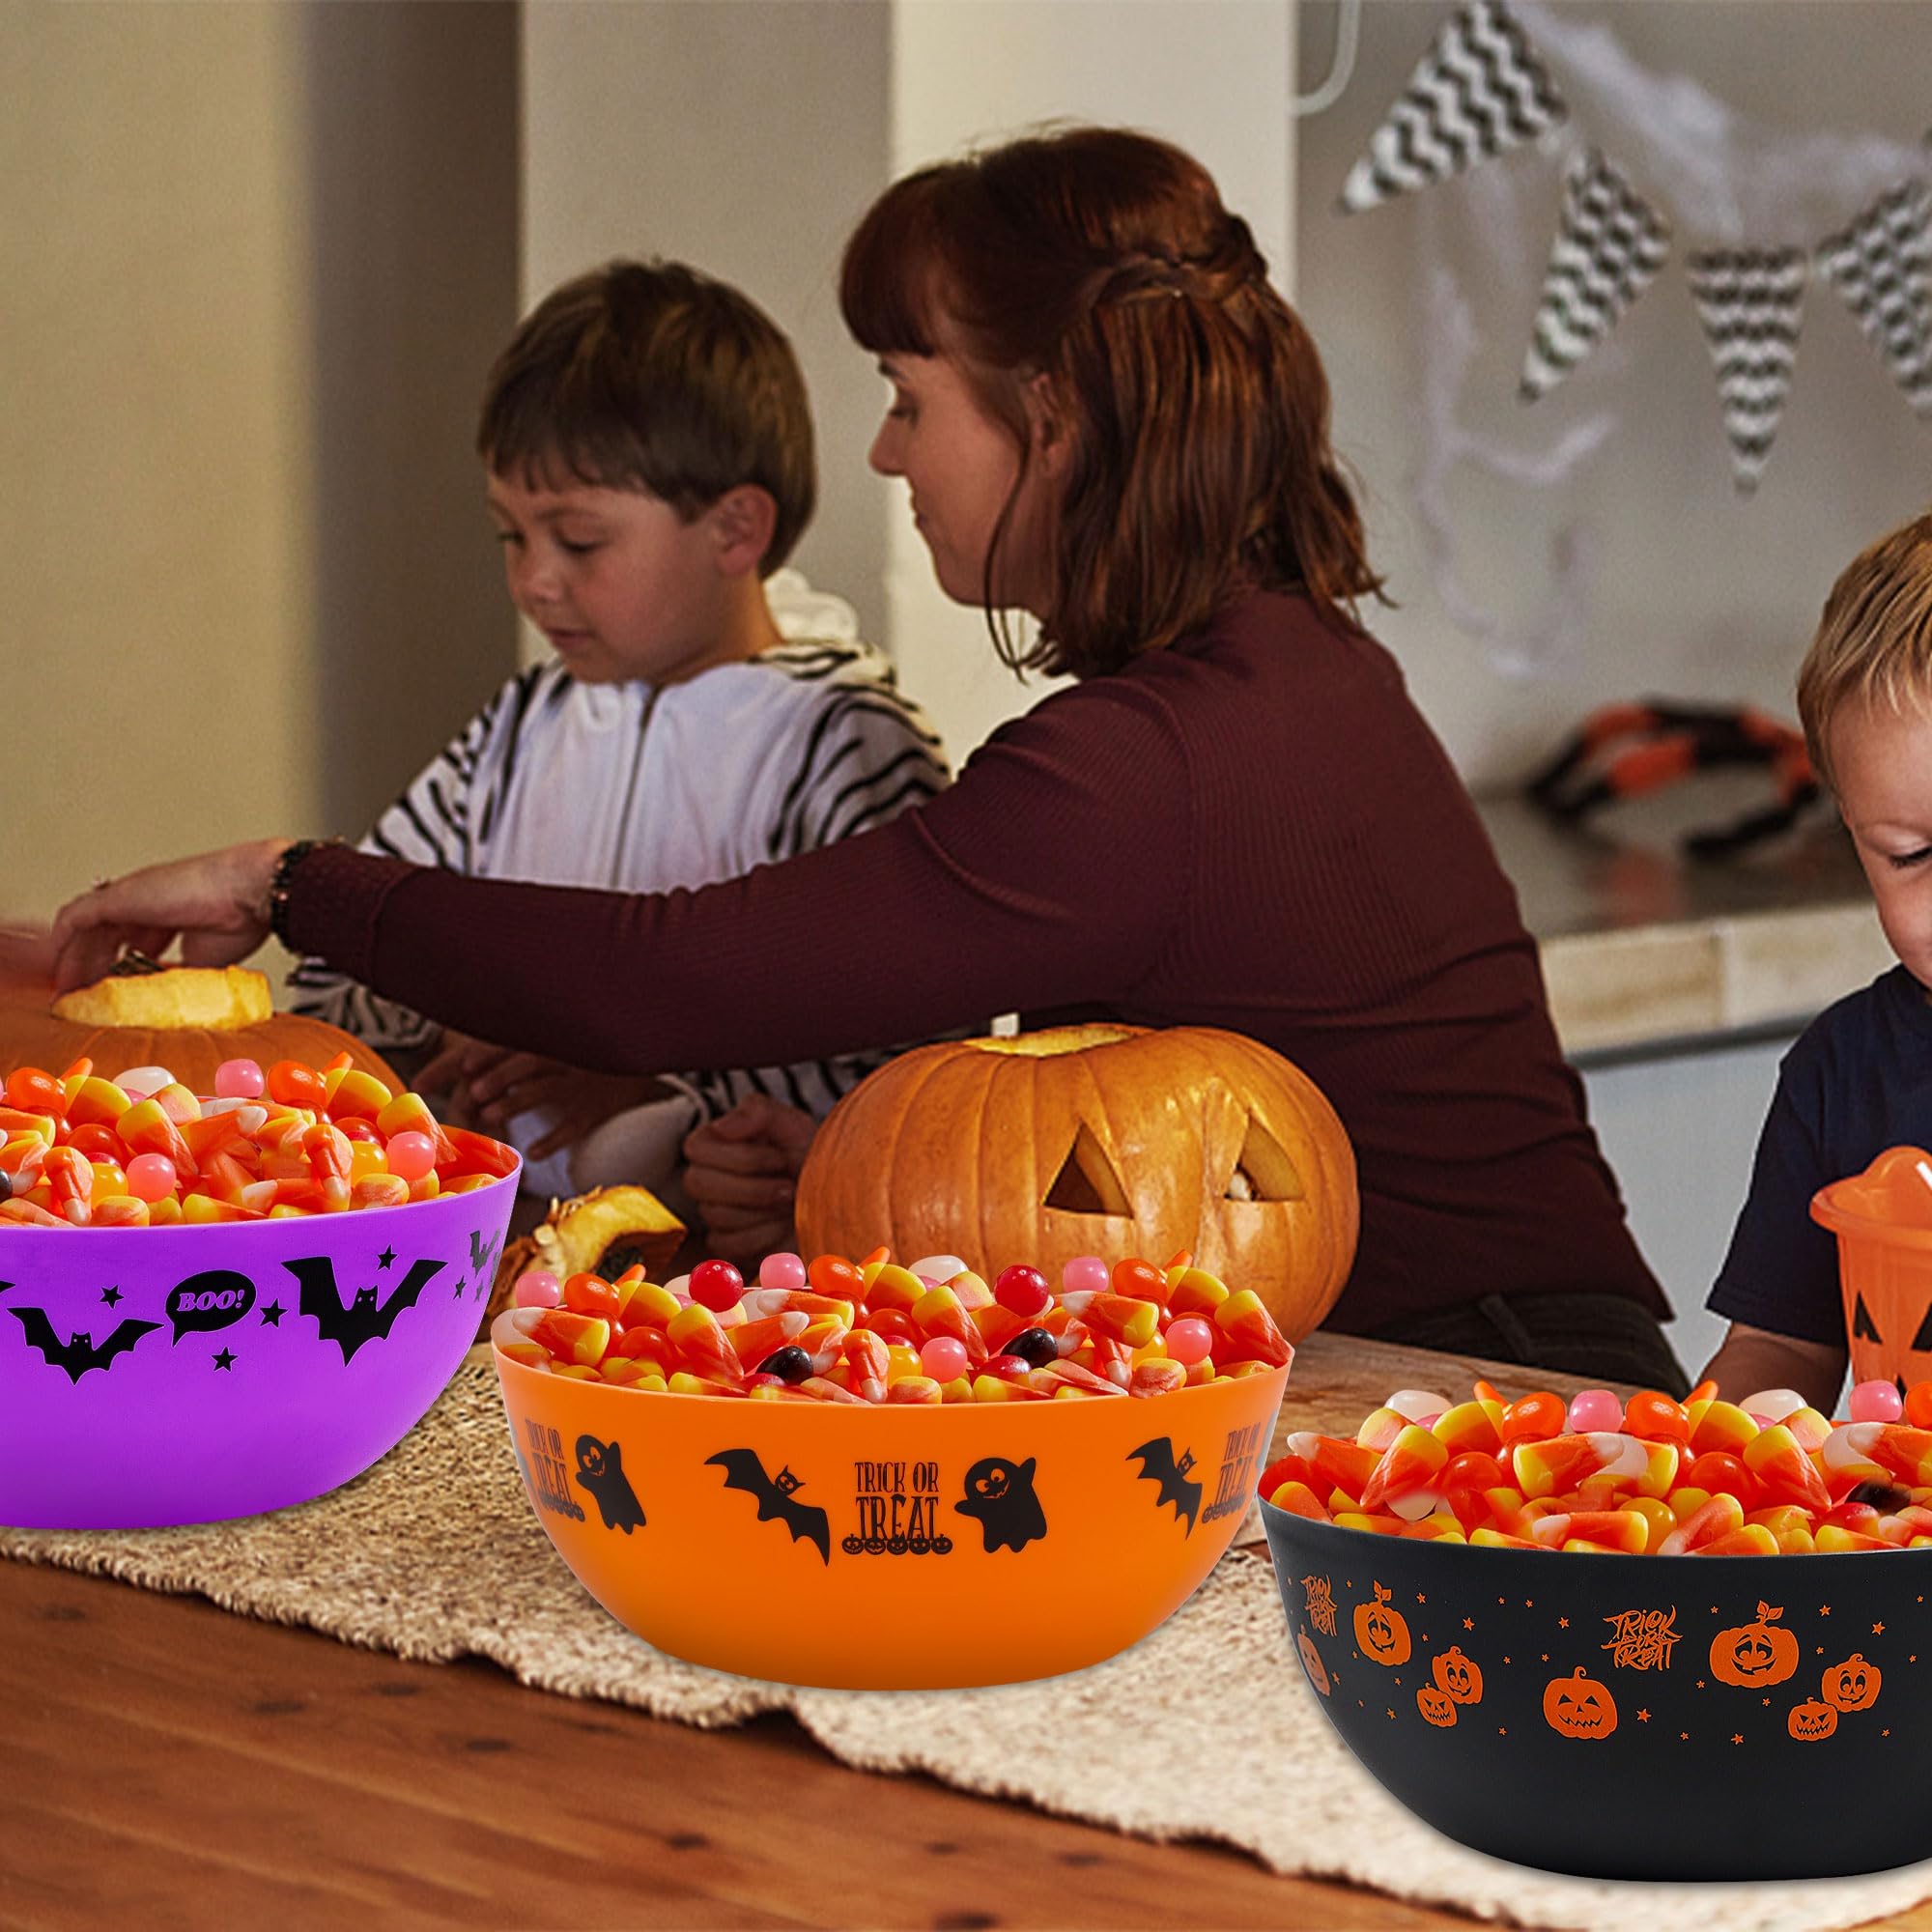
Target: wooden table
{"x": 165, "y": 1764}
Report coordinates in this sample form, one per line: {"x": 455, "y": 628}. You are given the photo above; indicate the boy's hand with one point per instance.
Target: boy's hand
{"x": 740, "y": 1172}
{"x": 490, "y": 1085}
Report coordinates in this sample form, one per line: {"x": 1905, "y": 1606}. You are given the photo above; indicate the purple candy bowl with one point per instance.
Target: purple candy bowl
{"x": 152, "y": 1375}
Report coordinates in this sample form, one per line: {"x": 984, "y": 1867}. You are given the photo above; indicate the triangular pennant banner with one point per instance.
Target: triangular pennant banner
{"x": 1748, "y": 301}
{"x": 1880, "y": 264}
{"x": 1609, "y": 243}
{"x": 1479, "y": 90}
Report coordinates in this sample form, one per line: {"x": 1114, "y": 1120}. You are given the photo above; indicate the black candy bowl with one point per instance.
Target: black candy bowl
{"x": 1628, "y": 1716}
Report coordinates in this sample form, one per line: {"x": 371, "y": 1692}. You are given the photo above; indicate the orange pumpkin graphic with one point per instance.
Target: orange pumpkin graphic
{"x": 1812, "y": 1719}
{"x": 1755, "y": 1654}
{"x": 1381, "y": 1630}
{"x": 1456, "y": 1677}
{"x": 1311, "y": 1662}
{"x": 1579, "y": 1706}
{"x": 1853, "y": 1685}
{"x": 1436, "y": 1705}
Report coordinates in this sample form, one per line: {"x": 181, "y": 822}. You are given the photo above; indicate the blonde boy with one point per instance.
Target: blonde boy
{"x": 1859, "y": 1079}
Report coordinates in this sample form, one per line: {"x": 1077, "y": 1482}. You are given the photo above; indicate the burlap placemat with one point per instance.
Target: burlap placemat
{"x": 1203, "y": 1730}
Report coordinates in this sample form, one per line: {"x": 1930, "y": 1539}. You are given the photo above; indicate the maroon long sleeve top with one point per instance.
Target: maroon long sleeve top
{"x": 1253, "y": 829}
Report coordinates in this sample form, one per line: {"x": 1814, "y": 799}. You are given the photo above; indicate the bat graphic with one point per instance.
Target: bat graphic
{"x": 1157, "y": 1465}
{"x": 78, "y": 1352}
{"x": 362, "y": 1320}
{"x": 744, "y": 1471}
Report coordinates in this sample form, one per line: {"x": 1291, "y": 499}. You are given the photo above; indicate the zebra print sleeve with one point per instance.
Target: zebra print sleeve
{"x": 868, "y": 757}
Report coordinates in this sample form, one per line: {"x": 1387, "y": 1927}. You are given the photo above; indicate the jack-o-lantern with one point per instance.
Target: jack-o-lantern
{"x": 1754, "y": 1654}
{"x": 1810, "y": 1720}
{"x": 1436, "y": 1705}
{"x": 1579, "y": 1706}
{"x": 1095, "y": 1140}
{"x": 186, "y": 1018}
{"x": 1456, "y": 1677}
{"x": 1884, "y": 1280}
{"x": 1311, "y": 1662}
{"x": 1381, "y": 1630}
{"x": 1853, "y": 1685}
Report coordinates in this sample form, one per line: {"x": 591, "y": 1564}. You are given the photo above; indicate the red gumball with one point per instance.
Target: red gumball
{"x": 718, "y": 1285}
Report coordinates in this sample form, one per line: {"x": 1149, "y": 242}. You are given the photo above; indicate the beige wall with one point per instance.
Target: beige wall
{"x": 251, "y": 263}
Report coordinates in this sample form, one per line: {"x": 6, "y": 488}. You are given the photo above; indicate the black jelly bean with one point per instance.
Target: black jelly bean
{"x": 791, "y": 1364}
{"x": 1035, "y": 1345}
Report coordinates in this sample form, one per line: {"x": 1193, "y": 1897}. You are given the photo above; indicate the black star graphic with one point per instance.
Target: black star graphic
{"x": 460, "y": 1285}
{"x": 272, "y": 1314}
{"x": 5, "y": 1285}
{"x": 384, "y": 1259}
{"x": 111, "y": 1296}
{"x": 224, "y": 1361}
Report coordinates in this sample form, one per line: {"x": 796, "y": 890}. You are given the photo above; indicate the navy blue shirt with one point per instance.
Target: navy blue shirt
{"x": 1858, "y": 1080}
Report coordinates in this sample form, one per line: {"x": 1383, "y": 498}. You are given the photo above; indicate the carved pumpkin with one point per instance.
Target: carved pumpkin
{"x": 1812, "y": 1719}
{"x": 602, "y": 1231}
{"x": 1885, "y": 1284}
{"x": 1380, "y": 1631}
{"x": 1311, "y": 1662}
{"x": 1095, "y": 1140}
{"x": 1579, "y": 1706}
{"x": 1456, "y": 1677}
{"x": 1754, "y": 1654}
{"x": 1436, "y": 1705}
{"x": 186, "y": 1018}
{"x": 1853, "y": 1685}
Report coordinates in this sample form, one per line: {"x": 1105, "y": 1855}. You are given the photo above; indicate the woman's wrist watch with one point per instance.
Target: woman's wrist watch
{"x": 281, "y": 883}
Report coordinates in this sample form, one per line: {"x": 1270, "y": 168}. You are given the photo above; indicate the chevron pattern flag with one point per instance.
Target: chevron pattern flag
{"x": 1881, "y": 265}
{"x": 1479, "y": 90}
{"x": 1749, "y": 301}
{"x": 1609, "y": 244}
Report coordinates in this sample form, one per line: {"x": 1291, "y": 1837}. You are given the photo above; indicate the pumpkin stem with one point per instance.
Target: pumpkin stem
{"x": 133, "y": 961}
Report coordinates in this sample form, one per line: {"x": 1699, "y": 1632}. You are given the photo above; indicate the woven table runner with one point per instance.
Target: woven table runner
{"x": 434, "y": 1554}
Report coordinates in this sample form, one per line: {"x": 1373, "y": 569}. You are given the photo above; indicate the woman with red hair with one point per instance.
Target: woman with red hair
{"x": 1233, "y": 817}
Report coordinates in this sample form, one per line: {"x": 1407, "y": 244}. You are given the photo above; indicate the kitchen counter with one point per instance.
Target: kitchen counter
{"x": 1645, "y": 950}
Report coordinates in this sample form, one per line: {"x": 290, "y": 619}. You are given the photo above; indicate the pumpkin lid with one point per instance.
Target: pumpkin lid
{"x": 215, "y": 997}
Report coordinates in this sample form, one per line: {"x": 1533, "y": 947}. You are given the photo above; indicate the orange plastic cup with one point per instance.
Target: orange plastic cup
{"x": 889, "y": 1548}
{"x": 1883, "y": 1219}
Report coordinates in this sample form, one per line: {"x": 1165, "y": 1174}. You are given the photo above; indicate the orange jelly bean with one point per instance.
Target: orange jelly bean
{"x": 1534, "y": 1417}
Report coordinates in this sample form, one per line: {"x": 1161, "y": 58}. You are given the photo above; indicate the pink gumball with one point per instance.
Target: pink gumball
{"x": 782, "y": 1270}
{"x": 942, "y": 1359}
{"x": 1188, "y": 1339}
{"x": 239, "y": 1080}
{"x": 412, "y": 1155}
{"x": 1085, "y": 1275}
{"x": 1876, "y": 1402}
{"x": 1594, "y": 1410}
{"x": 151, "y": 1177}
{"x": 537, "y": 1288}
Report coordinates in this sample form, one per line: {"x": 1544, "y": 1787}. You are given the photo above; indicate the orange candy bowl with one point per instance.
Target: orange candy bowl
{"x": 889, "y": 1548}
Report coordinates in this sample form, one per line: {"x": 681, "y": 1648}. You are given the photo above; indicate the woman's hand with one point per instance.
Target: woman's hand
{"x": 217, "y": 904}
{"x": 740, "y": 1172}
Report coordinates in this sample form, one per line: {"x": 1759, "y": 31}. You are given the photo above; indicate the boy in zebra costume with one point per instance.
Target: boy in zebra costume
{"x": 650, "y": 456}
